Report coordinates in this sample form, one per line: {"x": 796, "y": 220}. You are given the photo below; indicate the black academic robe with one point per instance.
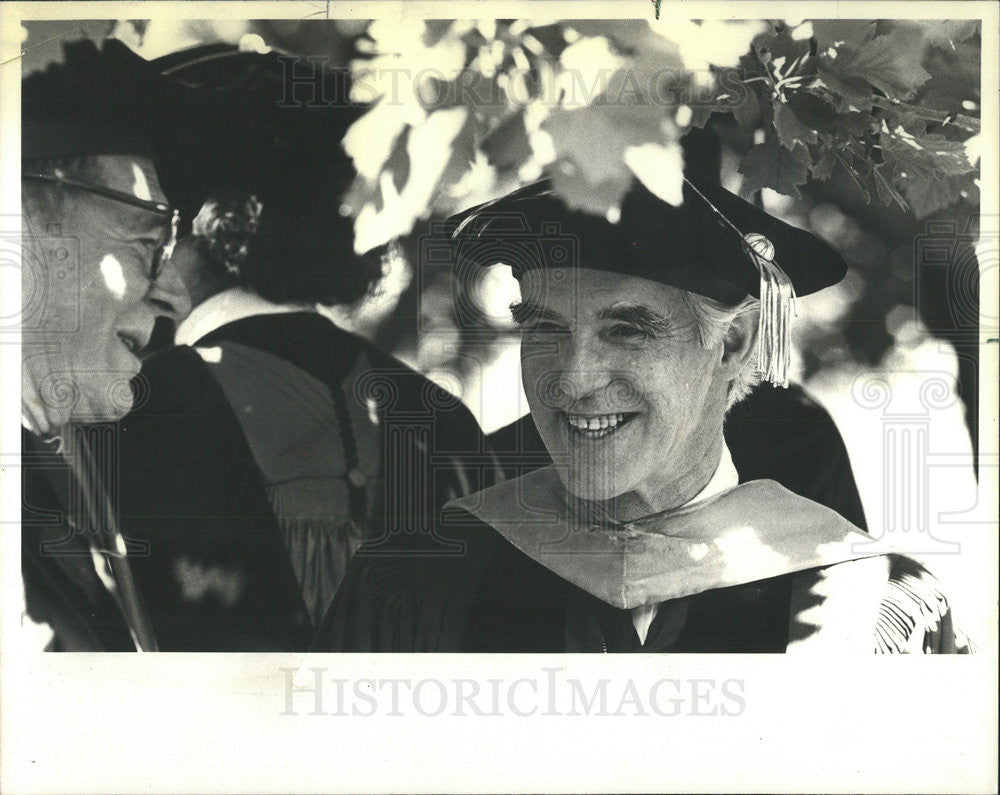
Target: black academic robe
{"x": 774, "y": 434}
{"x": 753, "y": 570}
{"x": 491, "y": 597}
{"x": 218, "y": 575}
{"x": 61, "y": 583}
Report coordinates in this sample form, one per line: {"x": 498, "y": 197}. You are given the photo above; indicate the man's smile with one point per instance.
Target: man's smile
{"x": 597, "y": 426}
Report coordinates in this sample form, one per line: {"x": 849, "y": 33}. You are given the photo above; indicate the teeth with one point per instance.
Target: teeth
{"x": 594, "y": 423}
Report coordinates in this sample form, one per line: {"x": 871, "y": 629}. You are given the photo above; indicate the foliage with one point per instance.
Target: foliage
{"x": 462, "y": 111}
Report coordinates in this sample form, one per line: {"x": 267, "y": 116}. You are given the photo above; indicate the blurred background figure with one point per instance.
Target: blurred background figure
{"x": 96, "y": 227}
{"x": 272, "y": 442}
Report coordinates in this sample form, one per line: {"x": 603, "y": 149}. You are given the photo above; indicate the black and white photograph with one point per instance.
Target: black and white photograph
{"x": 481, "y": 397}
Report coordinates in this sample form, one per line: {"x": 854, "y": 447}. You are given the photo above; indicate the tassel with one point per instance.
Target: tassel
{"x": 777, "y": 303}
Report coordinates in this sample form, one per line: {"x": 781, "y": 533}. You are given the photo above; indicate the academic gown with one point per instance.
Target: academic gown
{"x": 230, "y": 444}
{"x": 754, "y": 569}
{"x": 62, "y": 586}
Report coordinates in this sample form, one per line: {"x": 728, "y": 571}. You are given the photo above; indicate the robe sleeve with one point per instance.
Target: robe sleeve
{"x": 914, "y": 616}
{"x": 886, "y": 604}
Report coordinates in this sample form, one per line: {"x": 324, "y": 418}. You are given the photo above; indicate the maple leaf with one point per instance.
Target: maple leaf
{"x": 790, "y": 128}
{"x": 770, "y": 165}
{"x": 891, "y": 63}
{"x": 589, "y": 140}
{"x": 927, "y": 196}
{"x": 932, "y": 156}
{"x": 823, "y": 167}
{"x": 596, "y": 198}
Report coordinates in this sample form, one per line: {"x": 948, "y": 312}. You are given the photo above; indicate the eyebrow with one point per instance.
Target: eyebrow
{"x": 642, "y": 317}
{"x": 527, "y": 311}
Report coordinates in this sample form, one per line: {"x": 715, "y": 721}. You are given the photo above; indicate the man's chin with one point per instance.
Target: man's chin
{"x": 590, "y": 486}
{"x": 106, "y": 402}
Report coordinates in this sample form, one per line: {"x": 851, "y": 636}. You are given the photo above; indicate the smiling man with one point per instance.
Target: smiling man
{"x": 637, "y": 338}
{"x": 98, "y": 224}
{"x": 97, "y": 231}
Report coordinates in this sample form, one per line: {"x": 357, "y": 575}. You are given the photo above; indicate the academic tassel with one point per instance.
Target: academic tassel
{"x": 777, "y": 302}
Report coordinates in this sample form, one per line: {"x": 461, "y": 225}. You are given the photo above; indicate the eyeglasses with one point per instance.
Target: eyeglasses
{"x": 163, "y": 253}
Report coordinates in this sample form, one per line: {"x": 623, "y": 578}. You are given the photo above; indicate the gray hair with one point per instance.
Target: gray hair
{"x": 713, "y": 319}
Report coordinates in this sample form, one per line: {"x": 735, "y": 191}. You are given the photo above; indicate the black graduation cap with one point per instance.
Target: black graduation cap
{"x": 715, "y": 244}
{"x": 254, "y": 125}
{"x": 106, "y": 101}
{"x": 95, "y": 102}
{"x": 270, "y": 125}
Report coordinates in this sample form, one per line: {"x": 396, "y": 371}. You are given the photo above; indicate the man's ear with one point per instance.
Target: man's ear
{"x": 740, "y": 342}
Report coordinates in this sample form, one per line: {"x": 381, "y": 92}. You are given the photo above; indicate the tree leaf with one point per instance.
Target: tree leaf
{"x": 398, "y": 162}
{"x": 852, "y": 32}
{"x": 770, "y": 165}
{"x": 580, "y": 193}
{"x": 823, "y": 167}
{"x": 747, "y": 110}
{"x": 507, "y": 147}
{"x": 733, "y": 95}
{"x": 790, "y": 128}
{"x": 782, "y": 45}
{"x": 927, "y": 196}
{"x": 905, "y": 111}
{"x": 946, "y": 33}
{"x": 815, "y": 110}
{"x": 434, "y": 31}
{"x": 853, "y": 90}
{"x": 891, "y": 63}
{"x": 463, "y": 153}
{"x": 588, "y": 139}
{"x": 931, "y": 156}
{"x": 884, "y": 187}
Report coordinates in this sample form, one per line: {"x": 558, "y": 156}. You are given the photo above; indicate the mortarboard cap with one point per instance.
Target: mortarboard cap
{"x": 269, "y": 126}
{"x": 251, "y": 127}
{"x": 106, "y": 101}
{"x": 715, "y": 244}
{"x": 96, "y": 102}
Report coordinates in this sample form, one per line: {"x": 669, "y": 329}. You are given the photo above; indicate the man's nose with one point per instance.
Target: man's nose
{"x": 581, "y": 370}
{"x": 169, "y": 295}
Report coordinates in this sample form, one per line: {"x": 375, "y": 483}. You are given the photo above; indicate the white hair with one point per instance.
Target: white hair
{"x": 713, "y": 319}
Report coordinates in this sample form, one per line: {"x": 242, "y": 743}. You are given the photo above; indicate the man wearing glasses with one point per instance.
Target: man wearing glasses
{"x": 97, "y": 230}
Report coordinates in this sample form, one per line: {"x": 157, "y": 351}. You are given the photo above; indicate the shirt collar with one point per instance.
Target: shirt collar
{"x": 226, "y": 307}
